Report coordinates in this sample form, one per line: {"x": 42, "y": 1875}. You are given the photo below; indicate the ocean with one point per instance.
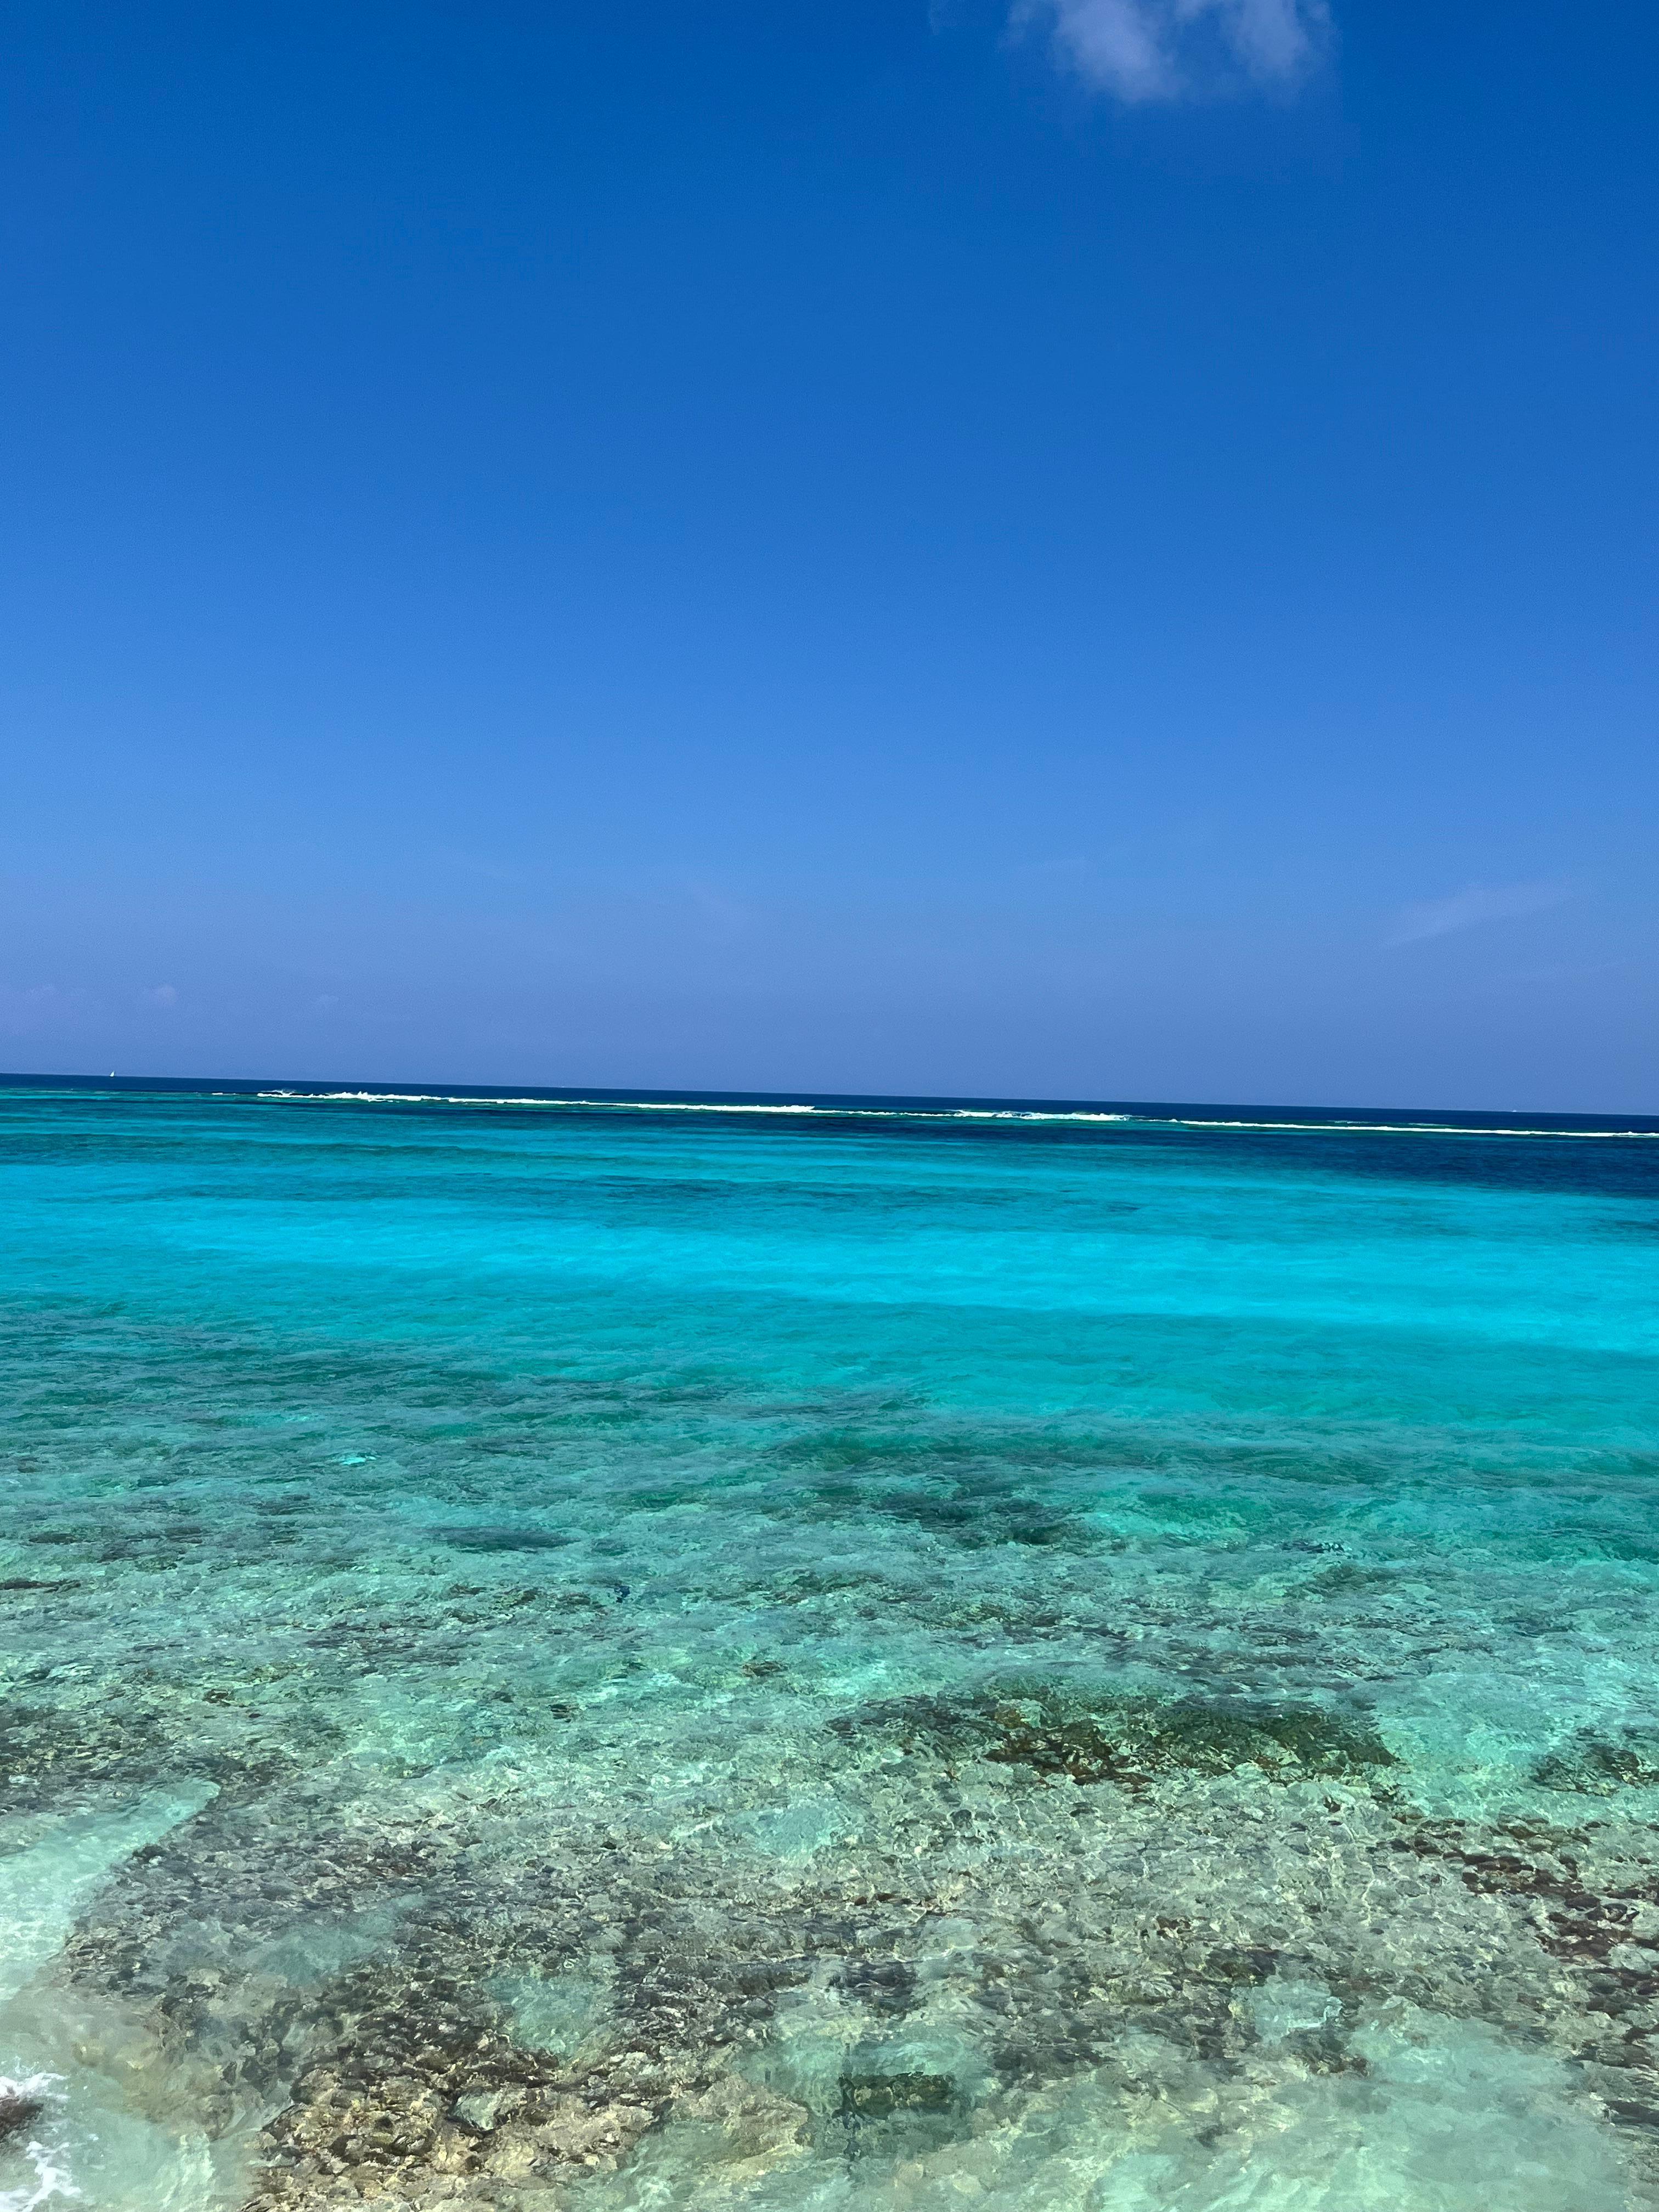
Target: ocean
{"x": 587, "y": 1654}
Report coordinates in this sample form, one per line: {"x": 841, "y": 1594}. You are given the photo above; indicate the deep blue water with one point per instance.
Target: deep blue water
{"x": 903, "y": 1655}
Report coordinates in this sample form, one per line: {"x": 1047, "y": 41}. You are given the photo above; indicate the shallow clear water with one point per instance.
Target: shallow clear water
{"x": 600, "y": 1658}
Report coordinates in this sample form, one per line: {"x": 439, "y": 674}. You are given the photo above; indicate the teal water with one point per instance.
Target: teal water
{"x": 604, "y": 1657}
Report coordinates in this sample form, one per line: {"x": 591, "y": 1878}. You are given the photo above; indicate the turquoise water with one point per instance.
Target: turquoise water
{"x": 611, "y": 1656}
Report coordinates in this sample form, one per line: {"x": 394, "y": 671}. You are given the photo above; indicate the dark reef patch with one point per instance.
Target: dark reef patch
{"x": 1597, "y": 1767}
{"x": 1126, "y": 1739}
{"x": 888, "y": 1986}
{"x": 878, "y": 2096}
{"x": 502, "y": 1540}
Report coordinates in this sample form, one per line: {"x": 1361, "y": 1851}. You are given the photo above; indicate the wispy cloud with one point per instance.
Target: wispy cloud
{"x": 1466, "y": 910}
{"x": 1151, "y": 49}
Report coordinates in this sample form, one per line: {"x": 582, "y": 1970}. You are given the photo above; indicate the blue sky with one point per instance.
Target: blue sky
{"x": 1101, "y": 548}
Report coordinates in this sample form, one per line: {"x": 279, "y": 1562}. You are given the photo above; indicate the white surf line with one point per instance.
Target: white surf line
{"x": 945, "y": 1113}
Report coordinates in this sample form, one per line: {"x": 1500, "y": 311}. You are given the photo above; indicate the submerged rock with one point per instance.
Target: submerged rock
{"x": 18, "y": 2111}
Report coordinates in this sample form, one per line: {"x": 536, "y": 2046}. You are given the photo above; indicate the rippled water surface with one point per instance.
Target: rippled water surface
{"x": 605, "y": 1657}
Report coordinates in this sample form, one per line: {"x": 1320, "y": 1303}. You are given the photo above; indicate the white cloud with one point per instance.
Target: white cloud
{"x": 164, "y": 994}
{"x": 1149, "y": 50}
{"x": 1465, "y": 909}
